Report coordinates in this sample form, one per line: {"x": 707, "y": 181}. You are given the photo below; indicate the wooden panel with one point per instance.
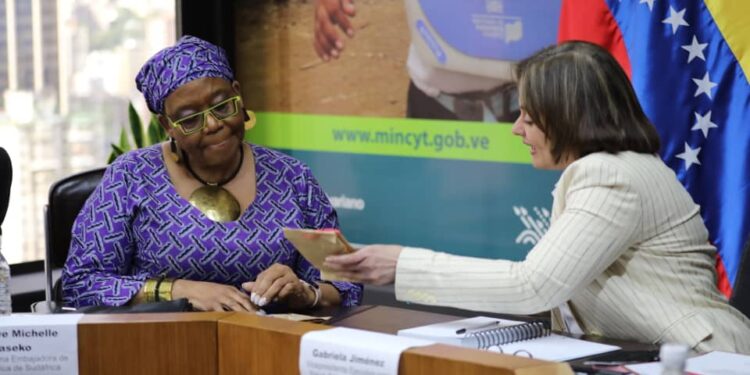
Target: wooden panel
{"x": 445, "y": 359}
{"x": 250, "y": 344}
{"x": 181, "y": 343}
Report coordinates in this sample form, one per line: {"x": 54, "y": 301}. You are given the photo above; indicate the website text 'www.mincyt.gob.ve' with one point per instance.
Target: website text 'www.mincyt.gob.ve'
{"x": 437, "y": 141}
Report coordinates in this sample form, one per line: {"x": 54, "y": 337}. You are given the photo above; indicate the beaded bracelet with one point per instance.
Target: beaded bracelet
{"x": 315, "y": 289}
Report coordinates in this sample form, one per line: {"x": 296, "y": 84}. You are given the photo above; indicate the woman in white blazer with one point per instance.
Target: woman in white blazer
{"x": 626, "y": 255}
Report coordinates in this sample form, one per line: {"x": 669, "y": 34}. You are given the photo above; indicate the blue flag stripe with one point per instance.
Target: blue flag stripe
{"x": 700, "y": 107}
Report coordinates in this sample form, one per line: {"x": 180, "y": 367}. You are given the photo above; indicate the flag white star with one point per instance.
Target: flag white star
{"x": 704, "y": 86}
{"x": 695, "y": 49}
{"x": 676, "y": 19}
{"x": 703, "y": 123}
{"x": 649, "y": 2}
{"x": 690, "y": 156}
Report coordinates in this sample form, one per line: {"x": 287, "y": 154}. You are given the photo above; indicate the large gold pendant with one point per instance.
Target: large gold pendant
{"x": 216, "y": 203}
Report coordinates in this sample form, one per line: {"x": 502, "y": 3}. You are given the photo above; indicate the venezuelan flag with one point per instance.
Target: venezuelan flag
{"x": 689, "y": 62}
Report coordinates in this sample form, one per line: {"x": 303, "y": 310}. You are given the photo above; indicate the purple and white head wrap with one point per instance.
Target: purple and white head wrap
{"x": 189, "y": 59}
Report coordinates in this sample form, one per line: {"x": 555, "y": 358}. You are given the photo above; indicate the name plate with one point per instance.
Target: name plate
{"x": 349, "y": 351}
{"x": 35, "y": 344}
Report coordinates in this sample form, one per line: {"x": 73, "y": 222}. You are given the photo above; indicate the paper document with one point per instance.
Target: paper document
{"x": 710, "y": 363}
{"x": 39, "y": 344}
{"x": 551, "y": 347}
{"x": 352, "y": 351}
{"x": 300, "y": 317}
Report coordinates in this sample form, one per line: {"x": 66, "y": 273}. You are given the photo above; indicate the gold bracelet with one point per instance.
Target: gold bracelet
{"x": 149, "y": 290}
{"x": 165, "y": 289}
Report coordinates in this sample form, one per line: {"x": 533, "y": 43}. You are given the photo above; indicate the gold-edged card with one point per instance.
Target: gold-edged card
{"x": 316, "y": 244}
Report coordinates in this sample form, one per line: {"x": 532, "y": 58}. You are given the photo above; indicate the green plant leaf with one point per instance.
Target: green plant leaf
{"x": 124, "y": 145}
{"x": 152, "y": 134}
{"x": 116, "y": 151}
{"x": 136, "y": 126}
{"x": 156, "y": 133}
{"x": 162, "y": 133}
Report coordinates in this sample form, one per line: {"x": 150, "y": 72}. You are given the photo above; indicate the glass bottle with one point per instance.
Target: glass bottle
{"x": 673, "y": 358}
{"x": 5, "y": 304}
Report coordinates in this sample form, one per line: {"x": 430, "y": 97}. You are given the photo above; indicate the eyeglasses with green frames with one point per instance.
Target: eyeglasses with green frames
{"x": 197, "y": 121}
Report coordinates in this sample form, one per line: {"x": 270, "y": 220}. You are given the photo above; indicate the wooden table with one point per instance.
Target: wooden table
{"x": 250, "y": 344}
{"x": 243, "y": 343}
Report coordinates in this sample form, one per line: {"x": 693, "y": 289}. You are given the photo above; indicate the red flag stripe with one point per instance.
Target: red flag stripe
{"x": 591, "y": 21}
{"x": 722, "y": 280}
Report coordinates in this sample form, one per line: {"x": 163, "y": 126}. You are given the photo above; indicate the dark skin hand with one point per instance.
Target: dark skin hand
{"x": 330, "y": 15}
{"x": 208, "y": 296}
{"x": 279, "y": 283}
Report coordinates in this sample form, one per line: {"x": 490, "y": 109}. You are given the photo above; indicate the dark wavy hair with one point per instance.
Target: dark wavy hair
{"x": 583, "y": 101}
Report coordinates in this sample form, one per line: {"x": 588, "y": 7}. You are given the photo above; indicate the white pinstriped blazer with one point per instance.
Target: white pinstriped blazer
{"x": 626, "y": 247}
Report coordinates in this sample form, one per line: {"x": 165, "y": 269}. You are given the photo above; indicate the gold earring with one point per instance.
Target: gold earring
{"x": 250, "y": 119}
{"x": 175, "y": 151}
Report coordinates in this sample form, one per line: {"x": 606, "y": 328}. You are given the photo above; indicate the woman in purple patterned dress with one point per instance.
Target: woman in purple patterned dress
{"x": 200, "y": 217}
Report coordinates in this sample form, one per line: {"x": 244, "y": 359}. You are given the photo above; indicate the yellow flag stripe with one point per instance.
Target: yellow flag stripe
{"x": 732, "y": 17}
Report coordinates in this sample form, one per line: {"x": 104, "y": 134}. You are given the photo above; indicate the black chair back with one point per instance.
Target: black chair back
{"x": 66, "y": 198}
{"x": 741, "y": 290}
{"x": 6, "y": 176}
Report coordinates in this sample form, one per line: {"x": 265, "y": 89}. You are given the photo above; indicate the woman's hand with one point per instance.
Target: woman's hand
{"x": 374, "y": 264}
{"x": 208, "y": 296}
{"x": 328, "y": 15}
{"x": 279, "y": 283}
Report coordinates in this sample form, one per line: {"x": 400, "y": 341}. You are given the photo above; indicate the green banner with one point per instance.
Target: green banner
{"x": 419, "y": 138}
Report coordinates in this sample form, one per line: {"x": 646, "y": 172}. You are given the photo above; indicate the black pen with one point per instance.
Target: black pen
{"x": 478, "y": 328}
{"x": 607, "y": 363}
{"x": 596, "y": 370}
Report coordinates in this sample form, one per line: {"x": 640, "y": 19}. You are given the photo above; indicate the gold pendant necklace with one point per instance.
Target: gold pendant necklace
{"x": 212, "y": 199}
{"x": 216, "y": 203}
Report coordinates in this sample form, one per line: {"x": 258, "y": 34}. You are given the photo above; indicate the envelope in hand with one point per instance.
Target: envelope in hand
{"x": 316, "y": 244}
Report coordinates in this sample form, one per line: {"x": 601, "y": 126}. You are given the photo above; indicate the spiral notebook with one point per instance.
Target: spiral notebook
{"x": 508, "y": 336}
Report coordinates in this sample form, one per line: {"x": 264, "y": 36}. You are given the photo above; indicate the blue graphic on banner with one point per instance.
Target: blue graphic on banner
{"x": 481, "y": 209}
{"x": 424, "y": 32}
{"x": 493, "y": 29}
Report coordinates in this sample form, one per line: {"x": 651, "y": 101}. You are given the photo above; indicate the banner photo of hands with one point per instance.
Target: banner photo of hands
{"x": 403, "y": 110}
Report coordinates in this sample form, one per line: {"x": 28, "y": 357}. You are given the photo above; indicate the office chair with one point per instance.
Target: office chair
{"x": 66, "y": 198}
{"x": 741, "y": 292}
{"x": 6, "y": 176}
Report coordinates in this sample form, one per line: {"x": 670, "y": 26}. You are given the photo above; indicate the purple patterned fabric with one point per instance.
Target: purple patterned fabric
{"x": 135, "y": 226}
{"x": 189, "y": 59}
